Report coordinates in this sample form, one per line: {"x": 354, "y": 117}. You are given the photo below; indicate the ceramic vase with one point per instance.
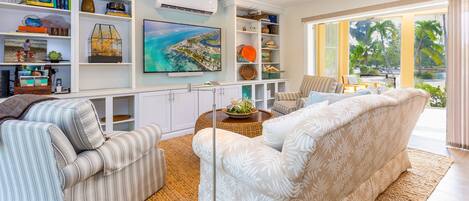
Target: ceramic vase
{"x": 87, "y": 6}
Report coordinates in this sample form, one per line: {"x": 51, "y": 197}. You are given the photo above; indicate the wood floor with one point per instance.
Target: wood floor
{"x": 455, "y": 184}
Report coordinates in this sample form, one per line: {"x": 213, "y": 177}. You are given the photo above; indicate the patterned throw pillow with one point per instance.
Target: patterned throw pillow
{"x": 275, "y": 130}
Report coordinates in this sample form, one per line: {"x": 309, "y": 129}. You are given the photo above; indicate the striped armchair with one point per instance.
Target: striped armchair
{"x": 59, "y": 152}
{"x": 288, "y": 102}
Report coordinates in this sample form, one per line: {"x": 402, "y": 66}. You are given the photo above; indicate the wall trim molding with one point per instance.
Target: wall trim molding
{"x": 364, "y": 9}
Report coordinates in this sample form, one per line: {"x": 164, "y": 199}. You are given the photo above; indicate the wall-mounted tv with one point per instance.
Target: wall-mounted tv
{"x": 174, "y": 47}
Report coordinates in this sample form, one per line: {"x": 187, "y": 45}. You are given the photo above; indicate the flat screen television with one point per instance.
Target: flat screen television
{"x": 173, "y": 47}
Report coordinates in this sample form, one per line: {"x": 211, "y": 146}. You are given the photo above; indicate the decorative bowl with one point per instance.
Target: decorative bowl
{"x": 239, "y": 115}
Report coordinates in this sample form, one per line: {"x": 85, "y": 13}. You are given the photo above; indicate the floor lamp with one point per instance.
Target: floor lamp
{"x": 214, "y": 127}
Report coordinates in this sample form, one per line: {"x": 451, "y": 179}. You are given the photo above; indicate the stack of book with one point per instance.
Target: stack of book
{"x": 59, "y": 4}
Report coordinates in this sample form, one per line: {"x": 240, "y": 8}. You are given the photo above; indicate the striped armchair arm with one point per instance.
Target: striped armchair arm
{"x": 28, "y": 168}
{"x": 124, "y": 149}
{"x": 300, "y": 103}
{"x": 287, "y": 96}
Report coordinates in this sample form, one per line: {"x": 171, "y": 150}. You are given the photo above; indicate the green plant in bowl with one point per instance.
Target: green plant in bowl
{"x": 241, "y": 107}
{"x": 54, "y": 56}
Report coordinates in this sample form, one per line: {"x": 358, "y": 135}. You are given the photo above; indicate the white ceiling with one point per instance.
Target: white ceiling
{"x": 287, "y": 2}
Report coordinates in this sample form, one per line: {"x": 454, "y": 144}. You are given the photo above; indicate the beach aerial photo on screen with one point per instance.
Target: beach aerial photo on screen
{"x": 173, "y": 47}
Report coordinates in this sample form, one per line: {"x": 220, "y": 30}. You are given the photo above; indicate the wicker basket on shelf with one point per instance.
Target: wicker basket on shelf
{"x": 248, "y": 72}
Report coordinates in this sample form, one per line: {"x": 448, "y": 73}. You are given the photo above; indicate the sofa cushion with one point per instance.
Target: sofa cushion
{"x": 76, "y": 118}
{"x": 275, "y": 130}
{"x": 284, "y": 107}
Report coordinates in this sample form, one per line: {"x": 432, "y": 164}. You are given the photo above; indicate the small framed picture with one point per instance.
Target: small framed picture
{"x": 42, "y": 3}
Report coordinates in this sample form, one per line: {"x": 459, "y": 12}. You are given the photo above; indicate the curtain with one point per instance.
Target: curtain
{"x": 458, "y": 74}
{"x": 332, "y": 49}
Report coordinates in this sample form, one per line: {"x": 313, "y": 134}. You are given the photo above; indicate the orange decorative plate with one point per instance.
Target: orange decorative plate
{"x": 248, "y": 53}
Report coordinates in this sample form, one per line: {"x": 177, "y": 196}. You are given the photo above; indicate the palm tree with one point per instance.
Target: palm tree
{"x": 386, "y": 32}
{"x": 428, "y": 34}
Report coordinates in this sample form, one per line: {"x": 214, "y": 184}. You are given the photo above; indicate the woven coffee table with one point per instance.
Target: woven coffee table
{"x": 250, "y": 127}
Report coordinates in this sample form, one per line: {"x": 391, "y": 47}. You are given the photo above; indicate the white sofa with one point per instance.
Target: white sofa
{"x": 350, "y": 150}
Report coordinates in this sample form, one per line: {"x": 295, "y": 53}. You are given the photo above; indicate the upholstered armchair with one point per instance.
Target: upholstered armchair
{"x": 59, "y": 152}
{"x": 288, "y": 102}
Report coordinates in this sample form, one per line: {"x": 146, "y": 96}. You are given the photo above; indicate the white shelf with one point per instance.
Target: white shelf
{"x": 243, "y": 63}
{"x": 270, "y": 35}
{"x": 270, "y": 23}
{"x": 124, "y": 121}
{"x": 34, "y": 35}
{"x": 105, "y": 17}
{"x": 246, "y": 20}
{"x": 273, "y": 49}
{"x": 35, "y": 64}
{"x": 270, "y": 62}
{"x": 24, "y": 7}
{"x": 247, "y": 32}
{"x": 105, "y": 64}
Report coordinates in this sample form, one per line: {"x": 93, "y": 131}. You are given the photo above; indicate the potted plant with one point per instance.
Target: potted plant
{"x": 240, "y": 109}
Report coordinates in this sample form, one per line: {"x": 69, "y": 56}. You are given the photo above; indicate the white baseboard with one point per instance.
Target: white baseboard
{"x": 175, "y": 134}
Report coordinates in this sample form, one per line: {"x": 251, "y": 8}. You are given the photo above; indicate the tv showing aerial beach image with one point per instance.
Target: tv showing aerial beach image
{"x": 172, "y": 47}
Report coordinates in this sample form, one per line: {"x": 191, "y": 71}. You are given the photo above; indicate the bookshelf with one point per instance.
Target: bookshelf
{"x": 76, "y": 73}
{"x": 250, "y": 32}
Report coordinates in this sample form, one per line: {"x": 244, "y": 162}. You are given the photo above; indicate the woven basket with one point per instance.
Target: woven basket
{"x": 248, "y": 72}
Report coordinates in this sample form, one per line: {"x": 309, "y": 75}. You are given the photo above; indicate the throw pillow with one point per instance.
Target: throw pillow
{"x": 275, "y": 130}
{"x": 317, "y": 97}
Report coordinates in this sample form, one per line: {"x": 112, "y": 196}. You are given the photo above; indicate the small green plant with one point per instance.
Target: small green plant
{"x": 241, "y": 106}
{"x": 55, "y": 56}
{"x": 438, "y": 95}
{"x": 425, "y": 75}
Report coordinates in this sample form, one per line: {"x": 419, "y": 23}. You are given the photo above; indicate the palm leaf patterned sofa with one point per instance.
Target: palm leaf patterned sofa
{"x": 350, "y": 150}
{"x": 59, "y": 152}
{"x": 288, "y": 102}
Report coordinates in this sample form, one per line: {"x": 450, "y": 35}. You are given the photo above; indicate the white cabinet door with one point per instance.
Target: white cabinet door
{"x": 206, "y": 100}
{"x": 155, "y": 108}
{"x": 184, "y": 109}
{"x": 229, "y": 93}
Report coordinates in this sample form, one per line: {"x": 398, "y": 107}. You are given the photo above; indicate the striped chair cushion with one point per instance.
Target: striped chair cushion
{"x": 76, "y": 118}
{"x": 124, "y": 149}
{"x": 285, "y": 107}
{"x": 319, "y": 84}
{"x": 86, "y": 165}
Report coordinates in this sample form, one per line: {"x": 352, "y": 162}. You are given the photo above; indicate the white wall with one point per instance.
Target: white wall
{"x": 295, "y": 40}
{"x": 146, "y": 10}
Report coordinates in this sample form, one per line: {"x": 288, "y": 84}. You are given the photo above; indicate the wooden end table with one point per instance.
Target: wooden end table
{"x": 250, "y": 127}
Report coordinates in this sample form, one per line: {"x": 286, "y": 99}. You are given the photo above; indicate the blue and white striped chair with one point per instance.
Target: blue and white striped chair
{"x": 59, "y": 152}
{"x": 288, "y": 102}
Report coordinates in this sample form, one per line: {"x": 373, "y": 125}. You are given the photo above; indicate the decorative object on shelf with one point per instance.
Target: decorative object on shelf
{"x": 116, "y": 9}
{"x": 247, "y": 53}
{"x": 42, "y": 3}
{"x": 54, "y": 56}
{"x": 88, "y": 6}
{"x": 32, "y": 24}
{"x": 273, "y": 29}
{"x": 20, "y": 50}
{"x": 105, "y": 45}
{"x": 266, "y": 55}
{"x": 56, "y": 25}
{"x": 273, "y": 19}
{"x": 240, "y": 109}
{"x": 58, "y": 85}
{"x": 271, "y": 72}
{"x": 270, "y": 44}
{"x": 248, "y": 72}
{"x": 33, "y": 80}
{"x": 117, "y": 118}
{"x": 265, "y": 29}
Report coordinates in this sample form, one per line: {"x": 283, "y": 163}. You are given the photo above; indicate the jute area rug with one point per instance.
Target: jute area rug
{"x": 182, "y": 177}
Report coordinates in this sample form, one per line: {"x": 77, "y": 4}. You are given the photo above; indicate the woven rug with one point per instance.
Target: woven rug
{"x": 182, "y": 178}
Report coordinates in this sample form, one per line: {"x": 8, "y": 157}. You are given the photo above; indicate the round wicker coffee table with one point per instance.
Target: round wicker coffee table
{"x": 250, "y": 127}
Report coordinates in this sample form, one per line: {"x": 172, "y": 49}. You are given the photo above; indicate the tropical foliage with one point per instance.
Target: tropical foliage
{"x": 375, "y": 48}
{"x": 438, "y": 95}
